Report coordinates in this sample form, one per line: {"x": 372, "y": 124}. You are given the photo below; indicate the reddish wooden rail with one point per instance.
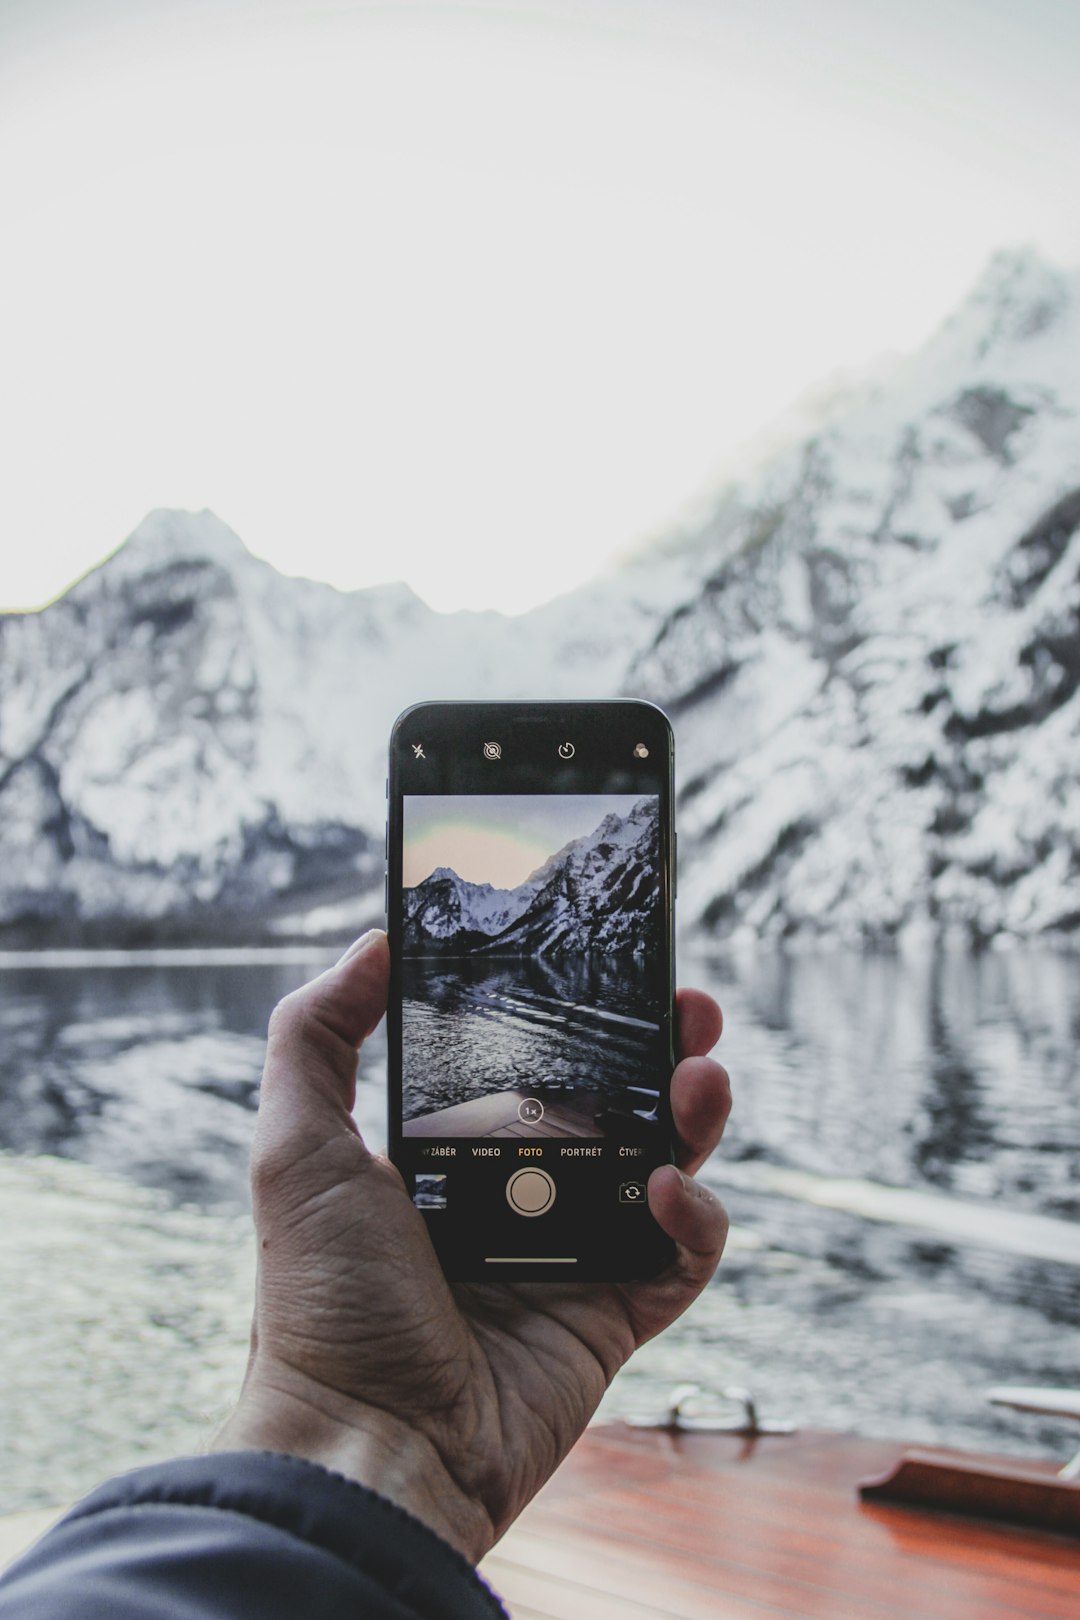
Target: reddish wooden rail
{"x": 711, "y": 1527}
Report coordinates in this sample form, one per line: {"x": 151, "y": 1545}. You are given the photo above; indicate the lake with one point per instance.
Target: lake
{"x": 473, "y": 1026}
{"x": 902, "y": 1169}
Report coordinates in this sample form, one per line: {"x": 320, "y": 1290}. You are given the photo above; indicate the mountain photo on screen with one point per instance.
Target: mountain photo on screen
{"x": 531, "y": 958}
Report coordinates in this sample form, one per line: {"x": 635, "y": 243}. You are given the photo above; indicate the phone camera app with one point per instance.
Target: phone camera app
{"x": 493, "y": 750}
{"x": 631, "y": 1192}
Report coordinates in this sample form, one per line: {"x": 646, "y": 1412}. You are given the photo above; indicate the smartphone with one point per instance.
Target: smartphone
{"x": 530, "y": 906}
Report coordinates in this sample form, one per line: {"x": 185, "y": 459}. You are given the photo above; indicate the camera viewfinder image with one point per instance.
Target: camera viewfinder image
{"x": 531, "y": 957}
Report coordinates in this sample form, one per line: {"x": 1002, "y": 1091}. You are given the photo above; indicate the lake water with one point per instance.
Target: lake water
{"x": 902, "y": 1169}
{"x": 473, "y": 1026}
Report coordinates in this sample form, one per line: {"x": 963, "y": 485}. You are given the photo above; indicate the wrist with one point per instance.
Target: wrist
{"x": 287, "y": 1412}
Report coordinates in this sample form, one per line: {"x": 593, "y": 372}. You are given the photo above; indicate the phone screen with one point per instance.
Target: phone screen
{"x": 529, "y": 901}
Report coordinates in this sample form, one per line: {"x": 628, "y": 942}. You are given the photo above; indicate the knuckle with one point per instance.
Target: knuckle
{"x": 284, "y": 1017}
{"x": 299, "y": 1021}
{"x": 269, "y": 1163}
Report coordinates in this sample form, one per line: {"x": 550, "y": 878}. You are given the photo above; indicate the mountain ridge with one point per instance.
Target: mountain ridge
{"x": 597, "y": 893}
{"x": 869, "y": 647}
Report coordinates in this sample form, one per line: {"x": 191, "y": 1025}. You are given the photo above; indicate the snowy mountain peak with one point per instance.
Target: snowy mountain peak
{"x": 1019, "y": 278}
{"x": 1019, "y": 297}
{"x": 168, "y": 535}
{"x": 446, "y": 874}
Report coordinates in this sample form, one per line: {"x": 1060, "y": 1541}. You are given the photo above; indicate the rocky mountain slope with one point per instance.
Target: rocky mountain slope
{"x": 876, "y": 684}
{"x": 447, "y": 912}
{"x": 870, "y": 648}
{"x": 598, "y": 893}
{"x": 192, "y": 743}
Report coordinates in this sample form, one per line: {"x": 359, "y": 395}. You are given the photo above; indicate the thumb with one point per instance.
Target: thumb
{"x": 316, "y": 1032}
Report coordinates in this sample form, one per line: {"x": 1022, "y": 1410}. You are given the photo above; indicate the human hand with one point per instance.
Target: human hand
{"x": 455, "y": 1400}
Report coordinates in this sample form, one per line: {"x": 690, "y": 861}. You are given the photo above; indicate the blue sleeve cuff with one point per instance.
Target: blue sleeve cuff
{"x": 239, "y": 1534}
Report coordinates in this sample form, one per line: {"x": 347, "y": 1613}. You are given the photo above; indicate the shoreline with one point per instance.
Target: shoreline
{"x": 166, "y": 956}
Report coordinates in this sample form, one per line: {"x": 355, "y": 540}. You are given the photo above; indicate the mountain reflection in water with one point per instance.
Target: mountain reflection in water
{"x": 953, "y": 1074}
{"x": 474, "y": 1026}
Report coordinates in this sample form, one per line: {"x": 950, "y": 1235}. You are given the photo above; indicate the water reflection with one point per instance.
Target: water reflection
{"x": 148, "y": 1071}
{"x": 952, "y": 1073}
{"x": 474, "y": 1027}
{"x": 952, "y": 1070}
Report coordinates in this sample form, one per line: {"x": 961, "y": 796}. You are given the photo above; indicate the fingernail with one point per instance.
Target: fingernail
{"x": 695, "y": 1188}
{"x": 359, "y": 946}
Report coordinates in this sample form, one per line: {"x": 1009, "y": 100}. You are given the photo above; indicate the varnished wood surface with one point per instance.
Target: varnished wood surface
{"x": 1009, "y": 1492}
{"x": 640, "y": 1523}
{"x": 572, "y": 1117}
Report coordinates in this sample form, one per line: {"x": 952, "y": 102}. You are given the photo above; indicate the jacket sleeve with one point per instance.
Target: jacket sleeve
{"x": 241, "y": 1536}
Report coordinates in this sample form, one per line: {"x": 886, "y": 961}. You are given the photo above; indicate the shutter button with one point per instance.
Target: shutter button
{"x": 530, "y": 1191}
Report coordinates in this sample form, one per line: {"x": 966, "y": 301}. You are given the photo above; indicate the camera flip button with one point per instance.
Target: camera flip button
{"x": 530, "y": 1191}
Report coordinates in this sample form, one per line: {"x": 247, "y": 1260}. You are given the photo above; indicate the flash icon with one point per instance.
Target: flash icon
{"x": 641, "y": 752}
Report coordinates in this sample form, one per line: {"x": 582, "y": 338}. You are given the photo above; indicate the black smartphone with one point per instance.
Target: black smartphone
{"x": 530, "y": 905}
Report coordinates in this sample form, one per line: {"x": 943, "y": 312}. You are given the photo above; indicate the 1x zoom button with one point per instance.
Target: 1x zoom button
{"x": 530, "y": 1191}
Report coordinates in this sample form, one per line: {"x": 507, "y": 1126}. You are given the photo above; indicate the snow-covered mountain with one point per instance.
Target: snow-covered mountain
{"x": 190, "y": 741}
{"x": 446, "y": 911}
{"x": 875, "y": 686}
{"x": 598, "y": 893}
{"x": 870, "y": 648}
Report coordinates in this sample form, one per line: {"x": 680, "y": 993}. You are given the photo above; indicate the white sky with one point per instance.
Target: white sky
{"x": 478, "y": 295}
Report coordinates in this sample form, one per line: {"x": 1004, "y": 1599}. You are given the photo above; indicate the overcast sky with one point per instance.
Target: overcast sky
{"x": 495, "y": 838}
{"x": 479, "y": 295}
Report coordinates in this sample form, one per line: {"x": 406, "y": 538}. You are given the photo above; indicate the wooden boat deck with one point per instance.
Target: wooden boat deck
{"x": 572, "y": 1117}
{"x": 671, "y": 1526}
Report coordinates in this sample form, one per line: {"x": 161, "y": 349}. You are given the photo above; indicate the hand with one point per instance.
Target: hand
{"x": 457, "y": 1401}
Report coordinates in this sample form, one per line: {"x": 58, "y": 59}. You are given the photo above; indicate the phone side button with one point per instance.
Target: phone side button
{"x": 530, "y": 1191}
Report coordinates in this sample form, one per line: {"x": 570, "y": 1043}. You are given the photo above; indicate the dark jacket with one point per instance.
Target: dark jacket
{"x": 242, "y": 1535}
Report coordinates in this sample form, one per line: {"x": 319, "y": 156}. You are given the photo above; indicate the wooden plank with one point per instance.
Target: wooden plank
{"x": 564, "y": 1598}
{"x": 813, "y": 1530}
{"x": 793, "y": 1471}
{"x": 696, "y": 1526}
{"x": 670, "y": 1584}
{"x": 518, "y": 1612}
{"x": 834, "y": 1465}
{"x": 773, "y": 1574}
{"x": 809, "y": 1529}
{"x": 496, "y": 1114}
